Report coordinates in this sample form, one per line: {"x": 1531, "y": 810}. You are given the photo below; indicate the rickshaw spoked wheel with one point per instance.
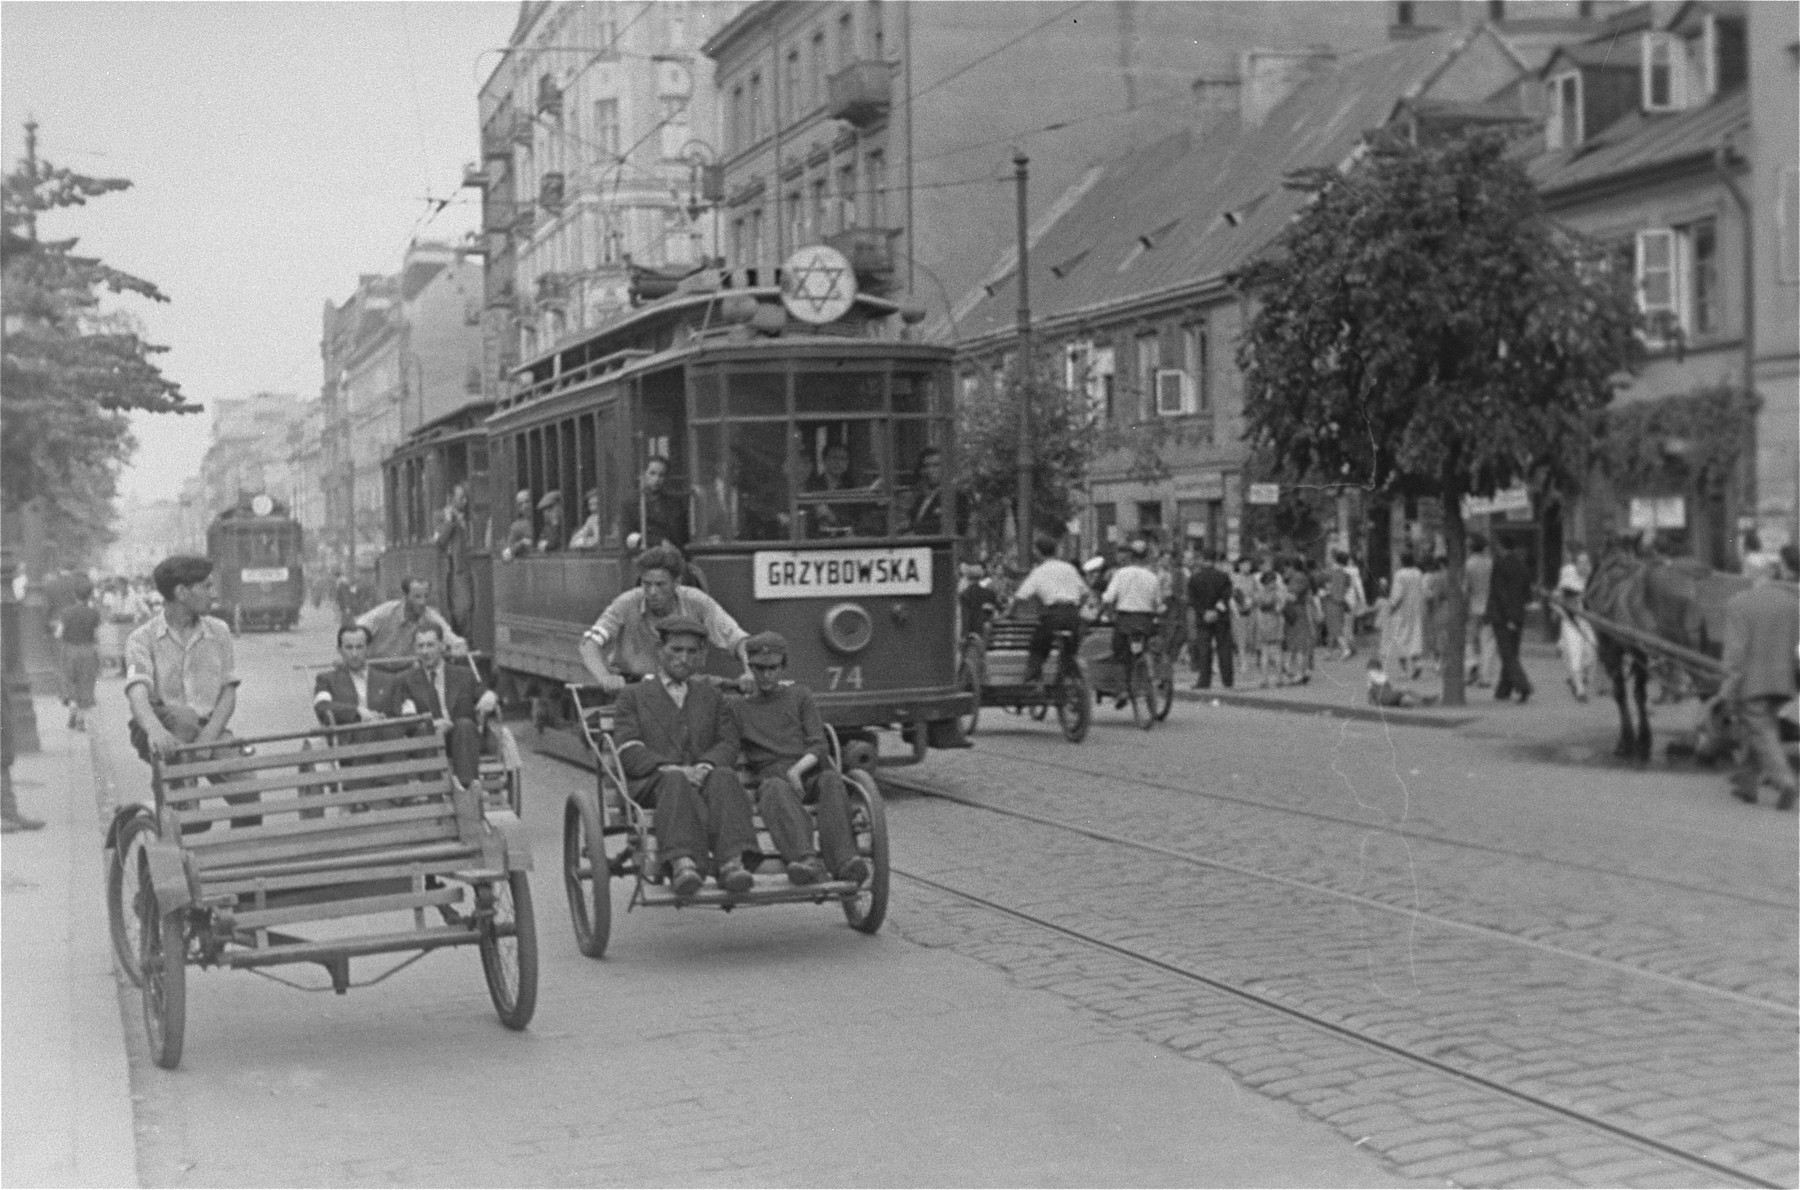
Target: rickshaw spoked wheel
{"x": 509, "y": 957}
{"x": 867, "y": 906}
{"x": 163, "y": 961}
{"x": 586, "y": 875}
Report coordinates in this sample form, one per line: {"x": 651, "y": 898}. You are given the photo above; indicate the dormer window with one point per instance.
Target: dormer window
{"x": 1664, "y": 73}
{"x": 1564, "y": 128}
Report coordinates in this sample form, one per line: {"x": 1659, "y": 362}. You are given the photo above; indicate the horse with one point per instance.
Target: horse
{"x": 1678, "y": 600}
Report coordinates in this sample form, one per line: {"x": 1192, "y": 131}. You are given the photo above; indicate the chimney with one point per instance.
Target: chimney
{"x": 1266, "y": 77}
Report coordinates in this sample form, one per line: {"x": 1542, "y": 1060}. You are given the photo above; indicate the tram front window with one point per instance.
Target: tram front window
{"x": 844, "y": 493}
{"x": 759, "y": 464}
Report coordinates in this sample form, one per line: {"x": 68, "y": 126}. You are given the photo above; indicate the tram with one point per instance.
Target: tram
{"x": 256, "y": 550}
{"x": 812, "y": 458}
{"x": 443, "y": 465}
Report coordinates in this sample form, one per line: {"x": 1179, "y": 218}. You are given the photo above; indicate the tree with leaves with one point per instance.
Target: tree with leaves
{"x": 1423, "y": 328}
{"x": 72, "y": 372}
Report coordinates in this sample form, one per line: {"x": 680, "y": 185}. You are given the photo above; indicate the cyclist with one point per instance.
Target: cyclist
{"x": 1135, "y": 596}
{"x": 1058, "y": 586}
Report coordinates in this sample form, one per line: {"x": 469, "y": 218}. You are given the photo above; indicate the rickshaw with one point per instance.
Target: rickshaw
{"x": 993, "y": 670}
{"x": 608, "y": 835}
{"x": 325, "y": 825}
{"x": 1147, "y": 682}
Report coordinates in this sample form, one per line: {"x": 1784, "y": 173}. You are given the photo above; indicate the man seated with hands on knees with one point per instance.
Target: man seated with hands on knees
{"x": 784, "y": 745}
{"x": 678, "y": 743}
{"x": 451, "y": 694}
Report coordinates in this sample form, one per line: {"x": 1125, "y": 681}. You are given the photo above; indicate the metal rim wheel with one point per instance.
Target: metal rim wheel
{"x": 1140, "y": 689}
{"x": 867, "y": 906}
{"x": 1164, "y": 687}
{"x": 509, "y": 956}
{"x": 163, "y": 961}
{"x": 968, "y": 683}
{"x": 586, "y": 874}
{"x": 123, "y": 880}
{"x": 1076, "y": 710}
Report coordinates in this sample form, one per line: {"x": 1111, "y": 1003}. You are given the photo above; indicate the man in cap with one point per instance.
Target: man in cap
{"x": 519, "y": 535}
{"x": 626, "y": 641}
{"x": 678, "y": 743}
{"x": 784, "y": 743}
{"x": 550, "y": 539}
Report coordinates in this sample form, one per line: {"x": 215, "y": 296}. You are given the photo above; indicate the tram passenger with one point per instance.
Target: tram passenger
{"x": 625, "y": 643}
{"x": 550, "y": 539}
{"x": 392, "y": 624}
{"x": 519, "y": 535}
{"x": 655, "y": 516}
{"x": 678, "y": 743}
{"x": 837, "y": 519}
{"x": 451, "y": 694}
{"x": 925, "y": 504}
{"x": 587, "y": 537}
{"x": 1058, "y": 587}
{"x": 784, "y": 745}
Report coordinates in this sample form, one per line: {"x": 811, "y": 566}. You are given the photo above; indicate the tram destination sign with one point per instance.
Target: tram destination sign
{"x": 823, "y": 574}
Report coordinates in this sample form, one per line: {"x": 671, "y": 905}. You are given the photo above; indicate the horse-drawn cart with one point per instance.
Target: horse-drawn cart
{"x": 359, "y": 821}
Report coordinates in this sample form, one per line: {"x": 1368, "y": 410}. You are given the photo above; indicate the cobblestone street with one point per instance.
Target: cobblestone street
{"x": 1246, "y": 948}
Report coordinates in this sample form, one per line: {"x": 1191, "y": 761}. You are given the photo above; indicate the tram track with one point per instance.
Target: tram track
{"x": 1400, "y": 831}
{"x": 1637, "y": 1140}
{"x": 1772, "y": 1007}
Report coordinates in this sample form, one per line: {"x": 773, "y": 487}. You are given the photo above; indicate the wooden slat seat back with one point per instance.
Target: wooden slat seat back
{"x": 1007, "y": 654}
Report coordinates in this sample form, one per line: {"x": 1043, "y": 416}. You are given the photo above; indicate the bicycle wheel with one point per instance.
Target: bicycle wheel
{"x": 1162, "y": 686}
{"x": 1075, "y": 708}
{"x": 509, "y": 948}
{"x": 123, "y": 890}
{"x": 968, "y": 683}
{"x": 1139, "y": 686}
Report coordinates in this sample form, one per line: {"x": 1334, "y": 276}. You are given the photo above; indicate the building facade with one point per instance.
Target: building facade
{"x": 1774, "y": 200}
{"x": 248, "y": 454}
{"x": 598, "y": 128}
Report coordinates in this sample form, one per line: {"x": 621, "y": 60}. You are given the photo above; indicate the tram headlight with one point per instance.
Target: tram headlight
{"x": 848, "y": 628}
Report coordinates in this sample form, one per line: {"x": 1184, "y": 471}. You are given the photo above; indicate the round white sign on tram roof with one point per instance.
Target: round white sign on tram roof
{"x": 262, "y": 505}
{"x": 817, "y": 284}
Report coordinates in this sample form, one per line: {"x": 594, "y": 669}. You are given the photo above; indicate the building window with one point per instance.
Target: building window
{"x": 796, "y": 220}
{"x": 677, "y": 33}
{"x": 847, "y": 196}
{"x": 846, "y": 41}
{"x": 1106, "y": 524}
{"x": 877, "y": 50}
{"x": 1149, "y": 359}
{"x": 606, "y": 128}
{"x": 756, "y": 239}
{"x": 1194, "y": 350}
{"x": 815, "y": 68}
{"x": 1564, "y": 129}
{"x": 1662, "y": 79}
{"x": 820, "y": 203}
{"x": 1102, "y": 382}
{"x": 738, "y": 242}
{"x": 793, "y": 100}
{"x": 755, "y": 117}
{"x": 1656, "y": 277}
{"x": 878, "y": 189}
{"x": 737, "y": 119}
{"x": 1703, "y": 239}
{"x": 673, "y": 128}
{"x": 1403, "y": 13}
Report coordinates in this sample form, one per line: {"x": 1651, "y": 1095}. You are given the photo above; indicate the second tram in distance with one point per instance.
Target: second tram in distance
{"x": 256, "y": 549}
{"x": 807, "y": 470}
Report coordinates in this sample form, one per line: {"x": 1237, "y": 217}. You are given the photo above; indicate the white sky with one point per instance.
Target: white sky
{"x": 276, "y": 151}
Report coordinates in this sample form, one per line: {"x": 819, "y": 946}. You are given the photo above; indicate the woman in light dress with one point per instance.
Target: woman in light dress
{"x": 1406, "y": 619}
{"x": 1575, "y": 638}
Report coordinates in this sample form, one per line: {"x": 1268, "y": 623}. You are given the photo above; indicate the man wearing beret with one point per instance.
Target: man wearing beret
{"x": 784, "y": 743}
{"x": 678, "y": 744}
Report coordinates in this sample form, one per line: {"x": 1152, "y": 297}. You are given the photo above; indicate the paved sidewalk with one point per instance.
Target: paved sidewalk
{"x": 65, "y": 1082}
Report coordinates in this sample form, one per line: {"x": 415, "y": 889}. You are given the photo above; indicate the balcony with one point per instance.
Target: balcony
{"x": 861, "y": 93}
{"x": 870, "y": 251}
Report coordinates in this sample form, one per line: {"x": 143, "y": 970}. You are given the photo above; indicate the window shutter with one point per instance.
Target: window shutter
{"x": 1657, "y": 276}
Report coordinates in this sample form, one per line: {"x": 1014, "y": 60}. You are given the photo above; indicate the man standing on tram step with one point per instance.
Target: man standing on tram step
{"x": 663, "y": 519}
{"x": 1762, "y": 632}
{"x": 1135, "y": 595}
{"x": 180, "y": 672}
{"x": 1058, "y": 588}
{"x": 1509, "y": 590}
{"x": 625, "y": 643}
{"x": 1209, "y": 594}
{"x": 785, "y": 747}
{"x": 678, "y": 744}
{"x": 392, "y": 625}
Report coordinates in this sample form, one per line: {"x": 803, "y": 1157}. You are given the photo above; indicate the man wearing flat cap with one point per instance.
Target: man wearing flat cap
{"x": 678, "y": 744}
{"x": 551, "y": 538}
{"x": 519, "y": 535}
{"x": 784, "y": 744}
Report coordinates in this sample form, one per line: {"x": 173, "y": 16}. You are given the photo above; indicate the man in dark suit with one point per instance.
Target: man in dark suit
{"x": 1762, "y": 635}
{"x": 1509, "y": 591}
{"x": 1209, "y": 594}
{"x": 452, "y": 695}
{"x": 679, "y": 744}
{"x": 350, "y": 692}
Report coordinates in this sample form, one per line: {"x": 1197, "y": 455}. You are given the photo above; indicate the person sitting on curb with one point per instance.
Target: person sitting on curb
{"x": 784, "y": 744}
{"x": 678, "y": 743}
{"x": 1385, "y": 693}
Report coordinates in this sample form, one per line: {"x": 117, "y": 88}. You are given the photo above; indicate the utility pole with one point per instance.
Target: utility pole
{"x": 1023, "y": 376}
{"x": 31, "y": 162}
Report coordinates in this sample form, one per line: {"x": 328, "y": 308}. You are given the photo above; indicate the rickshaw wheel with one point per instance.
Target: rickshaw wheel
{"x": 509, "y": 956}
{"x": 1163, "y": 685}
{"x": 164, "y": 966}
{"x": 590, "y": 895}
{"x": 123, "y": 880}
{"x": 1141, "y": 690}
{"x": 968, "y": 683}
{"x": 867, "y": 906}
{"x": 1076, "y": 710}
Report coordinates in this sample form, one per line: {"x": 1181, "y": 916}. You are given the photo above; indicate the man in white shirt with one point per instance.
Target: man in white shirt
{"x": 1135, "y": 597}
{"x": 626, "y": 641}
{"x": 1059, "y": 590}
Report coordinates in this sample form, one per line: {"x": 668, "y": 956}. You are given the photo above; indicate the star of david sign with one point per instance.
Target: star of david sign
{"x": 817, "y": 285}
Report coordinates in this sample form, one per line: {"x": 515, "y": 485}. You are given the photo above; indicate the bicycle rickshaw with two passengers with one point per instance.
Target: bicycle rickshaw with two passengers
{"x": 356, "y": 821}
{"x": 608, "y": 835}
{"x": 993, "y": 670}
{"x": 1146, "y": 682}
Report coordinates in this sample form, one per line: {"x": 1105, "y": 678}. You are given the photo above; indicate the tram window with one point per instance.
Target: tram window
{"x": 570, "y": 484}
{"x": 845, "y": 490}
{"x": 663, "y": 423}
{"x": 705, "y": 387}
{"x": 760, "y": 481}
{"x": 837, "y": 391}
{"x": 757, "y": 394}
{"x": 923, "y": 468}
{"x": 914, "y": 392}
{"x": 714, "y": 506}
{"x": 607, "y": 460}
